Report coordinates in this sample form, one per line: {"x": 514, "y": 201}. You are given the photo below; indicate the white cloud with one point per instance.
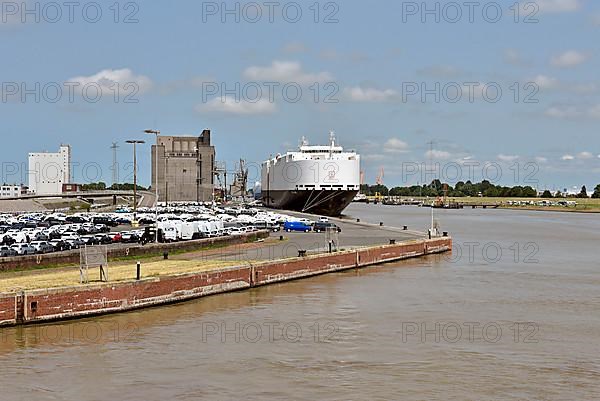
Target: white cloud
{"x": 567, "y": 157}
{"x": 358, "y": 94}
{"x": 512, "y": 56}
{"x": 585, "y": 155}
{"x": 108, "y": 78}
{"x": 230, "y": 105}
{"x": 570, "y": 58}
{"x": 286, "y": 72}
{"x": 594, "y": 111}
{"x": 574, "y": 112}
{"x": 546, "y": 82}
{"x": 438, "y": 154}
{"x": 552, "y": 6}
{"x": 507, "y": 158}
{"x": 563, "y": 112}
{"x": 395, "y": 145}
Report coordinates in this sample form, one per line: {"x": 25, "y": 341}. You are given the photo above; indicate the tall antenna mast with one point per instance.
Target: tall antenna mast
{"x": 115, "y": 164}
{"x": 331, "y": 142}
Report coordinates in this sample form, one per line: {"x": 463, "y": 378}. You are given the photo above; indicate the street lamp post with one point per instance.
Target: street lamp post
{"x": 157, "y": 133}
{"x": 166, "y": 181}
{"x": 135, "y": 142}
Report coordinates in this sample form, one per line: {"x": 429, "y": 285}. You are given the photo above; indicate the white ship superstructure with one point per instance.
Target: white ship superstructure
{"x": 321, "y": 179}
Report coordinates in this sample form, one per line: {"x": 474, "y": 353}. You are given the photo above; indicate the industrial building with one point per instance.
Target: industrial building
{"x": 49, "y": 171}
{"x": 185, "y": 169}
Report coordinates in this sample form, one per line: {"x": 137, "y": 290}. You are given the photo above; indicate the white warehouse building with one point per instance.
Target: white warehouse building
{"x": 49, "y": 171}
{"x": 10, "y": 191}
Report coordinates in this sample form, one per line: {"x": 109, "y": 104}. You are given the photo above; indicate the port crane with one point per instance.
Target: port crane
{"x": 379, "y": 180}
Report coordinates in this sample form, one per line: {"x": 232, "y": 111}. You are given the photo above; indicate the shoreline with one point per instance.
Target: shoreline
{"x": 548, "y": 209}
{"x": 518, "y": 208}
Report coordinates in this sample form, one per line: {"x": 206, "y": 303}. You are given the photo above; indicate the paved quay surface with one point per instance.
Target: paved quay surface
{"x": 353, "y": 235}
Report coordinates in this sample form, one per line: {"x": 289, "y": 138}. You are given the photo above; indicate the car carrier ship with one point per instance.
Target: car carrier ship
{"x": 317, "y": 179}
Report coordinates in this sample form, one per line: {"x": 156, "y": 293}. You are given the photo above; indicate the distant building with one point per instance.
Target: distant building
{"x": 185, "y": 168}
{"x": 49, "y": 171}
{"x": 10, "y": 191}
{"x": 69, "y": 188}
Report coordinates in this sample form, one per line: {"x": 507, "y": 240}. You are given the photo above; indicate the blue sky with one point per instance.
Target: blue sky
{"x": 368, "y": 58}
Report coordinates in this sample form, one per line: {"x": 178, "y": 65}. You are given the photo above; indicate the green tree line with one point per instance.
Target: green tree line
{"x": 483, "y": 188}
{"x": 101, "y": 186}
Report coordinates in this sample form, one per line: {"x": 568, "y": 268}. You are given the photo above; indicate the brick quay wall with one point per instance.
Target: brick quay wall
{"x": 73, "y": 302}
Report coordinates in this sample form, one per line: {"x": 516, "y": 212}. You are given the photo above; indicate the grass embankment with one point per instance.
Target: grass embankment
{"x": 206, "y": 258}
{"x": 121, "y": 272}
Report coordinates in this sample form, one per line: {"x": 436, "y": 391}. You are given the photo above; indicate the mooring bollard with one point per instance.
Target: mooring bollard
{"x": 281, "y": 238}
{"x": 381, "y": 224}
{"x": 139, "y": 271}
{"x": 301, "y": 253}
{"x": 445, "y": 233}
{"x": 405, "y": 228}
{"x": 392, "y": 241}
{"x": 358, "y": 220}
{"x": 165, "y": 255}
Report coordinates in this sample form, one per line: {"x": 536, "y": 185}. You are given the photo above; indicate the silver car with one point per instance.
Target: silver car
{"x": 24, "y": 249}
{"x": 6, "y": 251}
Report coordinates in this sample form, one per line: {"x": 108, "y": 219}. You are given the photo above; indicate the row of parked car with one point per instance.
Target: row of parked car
{"x": 66, "y": 242}
{"x": 40, "y": 233}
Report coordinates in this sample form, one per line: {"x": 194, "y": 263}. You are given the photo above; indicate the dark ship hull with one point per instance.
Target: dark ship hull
{"x": 322, "y": 202}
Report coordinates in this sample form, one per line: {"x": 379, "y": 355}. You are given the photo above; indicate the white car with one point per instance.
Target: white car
{"x": 69, "y": 236}
{"x": 19, "y": 237}
{"x": 24, "y": 249}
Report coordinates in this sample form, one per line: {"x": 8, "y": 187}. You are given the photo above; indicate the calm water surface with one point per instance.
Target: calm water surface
{"x": 512, "y": 314}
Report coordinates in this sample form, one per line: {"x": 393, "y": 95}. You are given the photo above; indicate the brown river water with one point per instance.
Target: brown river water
{"x": 512, "y": 314}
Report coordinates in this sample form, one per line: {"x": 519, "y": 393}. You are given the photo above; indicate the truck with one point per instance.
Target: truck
{"x": 186, "y": 230}
{"x": 169, "y": 230}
